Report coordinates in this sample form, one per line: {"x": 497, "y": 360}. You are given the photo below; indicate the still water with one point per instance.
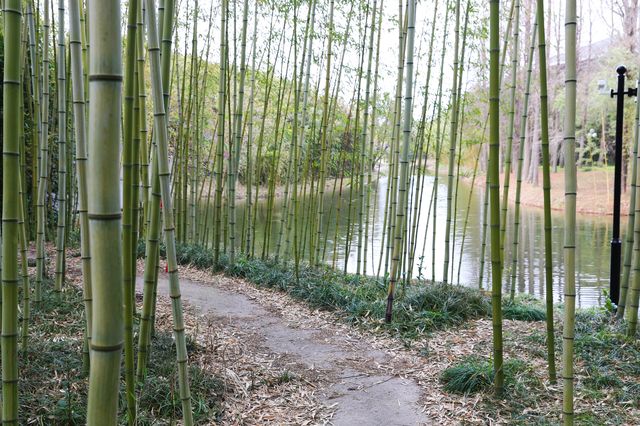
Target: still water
{"x": 593, "y": 238}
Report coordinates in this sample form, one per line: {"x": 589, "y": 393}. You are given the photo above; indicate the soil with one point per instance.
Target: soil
{"x": 595, "y": 192}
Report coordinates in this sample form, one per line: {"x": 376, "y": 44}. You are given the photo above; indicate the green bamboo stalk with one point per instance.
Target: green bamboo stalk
{"x": 24, "y": 246}
{"x": 436, "y": 174}
{"x": 77, "y": 73}
{"x": 323, "y": 138}
{"x": 364, "y": 160}
{"x": 43, "y": 165}
{"x": 22, "y": 208}
{"x": 510, "y": 130}
{"x": 459, "y": 125}
{"x": 160, "y": 130}
{"x": 401, "y": 211}
{"x": 12, "y": 14}
{"x": 395, "y": 139}
{"x": 494, "y": 138}
{"x": 103, "y": 188}
{"x": 144, "y": 138}
{"x": 221, "y": 129}
{"x": 453, "y": 135}
{"x": 570, "y": 210}
{"x": 233, "y": 159}
{"x": 35, "y": 110}
{"x": 62, "y": 151}
{"x": 546, "y": 186}
{"x": 258, "y": 165}
{"x": 372, "y": 135}
{"x": 417, "y": 206}
{"x": 523, "y": 138}
{"x": 629, "y": 246}
{"x": 127, "y": 218}
{"x": 194, "y": 163}
{"x": 485, "y": 213}
{"x": 355, "y": 167}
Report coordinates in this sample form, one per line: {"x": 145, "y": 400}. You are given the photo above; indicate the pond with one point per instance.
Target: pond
{"x": 341, "y": 248}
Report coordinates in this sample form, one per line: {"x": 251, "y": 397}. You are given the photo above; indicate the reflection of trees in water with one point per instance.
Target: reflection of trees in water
{"x": 591, "y": 255}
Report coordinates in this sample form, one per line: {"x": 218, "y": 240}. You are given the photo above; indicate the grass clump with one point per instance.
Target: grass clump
{"x": 54, "y": 386}
{"x": 522, "y": 311}
{"x": 470, "y": 376}
{"x": 609, "y": 358}
{"x": 474, "y": 374}
{"x": 160, "y": 395}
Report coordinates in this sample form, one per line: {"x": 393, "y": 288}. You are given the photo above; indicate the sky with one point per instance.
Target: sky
{"x": 596, "y": 19}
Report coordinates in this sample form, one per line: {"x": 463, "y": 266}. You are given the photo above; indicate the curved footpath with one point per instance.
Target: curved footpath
{"x": 356, "y": 389}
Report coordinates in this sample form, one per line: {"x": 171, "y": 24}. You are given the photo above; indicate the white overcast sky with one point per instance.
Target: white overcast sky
{"x": 597, "y": 18}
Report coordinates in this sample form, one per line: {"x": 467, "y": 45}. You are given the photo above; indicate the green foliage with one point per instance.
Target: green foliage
{"x": 515, "y": 310}
{"x": 473, "y": 374}
{"x": 54, "y": 390}
{"x": 160, "y": 397}
{"x": 470, "y": 376}
{"x": 419, "y": 308}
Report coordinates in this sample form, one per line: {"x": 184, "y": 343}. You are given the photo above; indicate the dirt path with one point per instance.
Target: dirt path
{"x": 350, "y": 383}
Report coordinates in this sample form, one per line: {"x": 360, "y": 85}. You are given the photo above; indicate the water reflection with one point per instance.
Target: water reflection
{"x": 341, "y": 250}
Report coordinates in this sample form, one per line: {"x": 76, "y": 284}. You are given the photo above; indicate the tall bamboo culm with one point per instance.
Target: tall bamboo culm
{"x": 546, "y": 186}
{"x": 323, "y": 140}
{"x": 127, "y": 219}
{"x": 494, "y": 192}
{"x": 237, "y": 131}
{"x": 62, "y": 150}
{"x": 43, "y": 167}
{"x": 630, "y": 241}
{"x": 570, "y": 183}
{"x": 12, "y": 14}
{"x": 401, "y": 210}
{"x": 160, "y": 131}
{"x": 512, "y": 115}
{"x": 453, "y": 134}
{"x": 521, "y": 148}
{"x": 103, "y": 188}
{"x": 77, "y": 72}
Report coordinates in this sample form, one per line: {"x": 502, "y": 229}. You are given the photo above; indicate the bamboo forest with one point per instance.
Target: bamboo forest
{"x": 320, "y": 212}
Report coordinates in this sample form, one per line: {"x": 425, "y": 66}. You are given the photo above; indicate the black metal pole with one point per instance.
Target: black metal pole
{"x": 616, "y": 244}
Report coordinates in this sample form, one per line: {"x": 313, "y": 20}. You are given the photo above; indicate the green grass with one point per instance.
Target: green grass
{"x": 523, "y": 311}
{"x": 470, "y": 376}
{"x": 474, "y": 374}
{"x": 53, "y": 387}
{"x": 418, "y": 308}
{"x": 610, "y": 359}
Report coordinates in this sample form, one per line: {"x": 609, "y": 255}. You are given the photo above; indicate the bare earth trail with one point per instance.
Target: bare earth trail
{"x": 348, "y": 370}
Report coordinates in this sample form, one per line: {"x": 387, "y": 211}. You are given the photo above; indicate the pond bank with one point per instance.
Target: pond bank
{"x": 595, "y": 191}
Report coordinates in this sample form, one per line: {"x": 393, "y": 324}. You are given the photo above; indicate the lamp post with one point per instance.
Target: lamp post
{"x": 616, "y": 244}
{"x": 591, "y": 137}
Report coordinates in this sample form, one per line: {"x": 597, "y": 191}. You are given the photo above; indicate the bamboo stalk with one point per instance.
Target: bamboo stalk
{"x": 11, "y": 89}
{"x": 546, "y": 186}
{"x": 160, "y": 130}
{"x": 105, "y": 80}
{"x": 570, "y": 210}
{"x": 494, "y": 191}
{"x": 403, "y": 160}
